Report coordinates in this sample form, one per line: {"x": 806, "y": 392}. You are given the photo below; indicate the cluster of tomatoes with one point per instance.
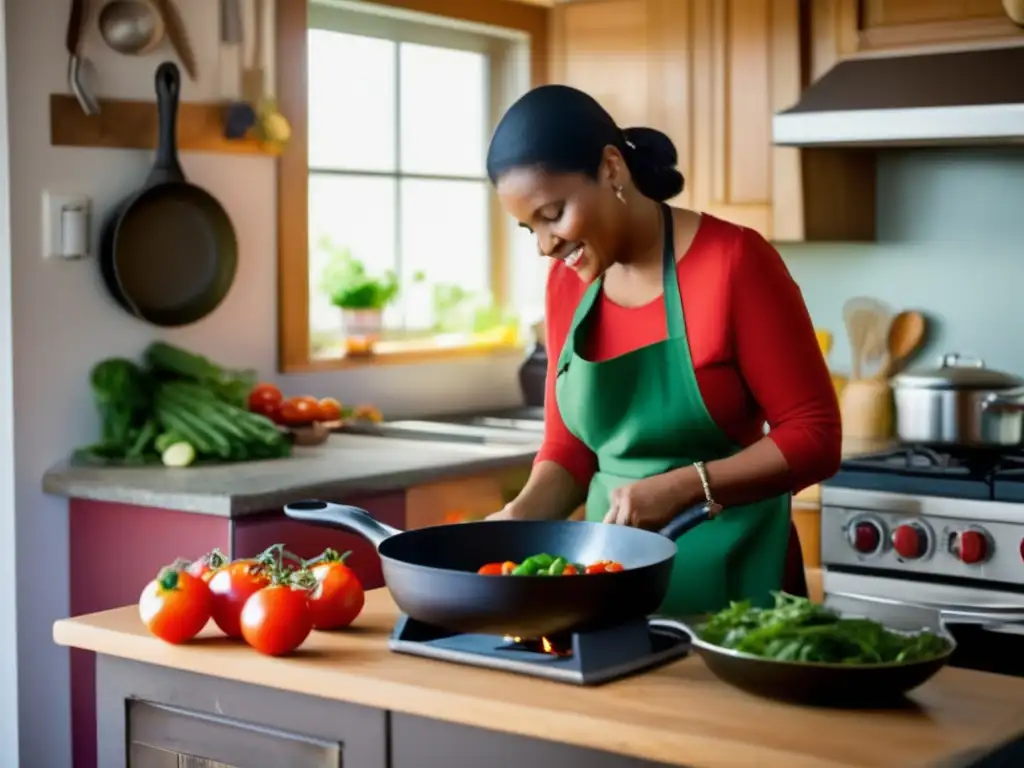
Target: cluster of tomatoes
{"x": 266, "y": 399}
{"x": 272, "y": 601}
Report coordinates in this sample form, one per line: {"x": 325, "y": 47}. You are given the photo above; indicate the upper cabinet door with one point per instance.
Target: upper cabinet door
{"x": 846, "y": 27}
{"x": 746, "y": 65}
{"x": 633, "y": 57}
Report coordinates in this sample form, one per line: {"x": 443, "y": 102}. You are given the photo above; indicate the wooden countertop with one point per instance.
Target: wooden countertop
{"x": 679, "y": 715}
{"x": 345, "y": 464}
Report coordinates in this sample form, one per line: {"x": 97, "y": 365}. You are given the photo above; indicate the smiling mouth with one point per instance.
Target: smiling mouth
{"x": 574, "y": 257}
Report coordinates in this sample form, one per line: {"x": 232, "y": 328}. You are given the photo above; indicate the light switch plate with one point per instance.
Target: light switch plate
{"x": 54, "y": 206}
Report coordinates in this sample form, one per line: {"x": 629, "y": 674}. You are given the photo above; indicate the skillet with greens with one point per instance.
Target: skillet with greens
{"x": 798, "y": 630}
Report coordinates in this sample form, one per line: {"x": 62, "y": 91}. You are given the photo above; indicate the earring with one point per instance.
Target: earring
{"x": 618, "y": 194}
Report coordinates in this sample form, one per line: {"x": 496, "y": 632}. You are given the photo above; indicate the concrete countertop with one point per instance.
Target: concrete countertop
{"x": 345, "y": 464}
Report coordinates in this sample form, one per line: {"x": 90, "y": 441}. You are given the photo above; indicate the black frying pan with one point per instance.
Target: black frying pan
{"x": 431, "y": 572}
{"x": 168, "y": 253}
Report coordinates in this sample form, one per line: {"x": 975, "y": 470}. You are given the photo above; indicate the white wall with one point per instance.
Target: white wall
{"x": 8, "y": 606}
{"x": 63, "y": 321}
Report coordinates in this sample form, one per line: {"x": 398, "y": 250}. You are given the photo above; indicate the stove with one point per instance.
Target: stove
{"x": 945, "y": 530}
{"x": 580, "y": 658}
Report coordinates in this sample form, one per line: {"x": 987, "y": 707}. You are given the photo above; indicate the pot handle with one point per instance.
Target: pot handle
{"x": 956, "y": 360}
{"x": 343, "y": 516}
{"x": 1013, "y": 400}
{"x": 992, "y": 616}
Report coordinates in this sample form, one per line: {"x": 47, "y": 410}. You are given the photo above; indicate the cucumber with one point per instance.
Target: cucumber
{"x": 180, "y": 454}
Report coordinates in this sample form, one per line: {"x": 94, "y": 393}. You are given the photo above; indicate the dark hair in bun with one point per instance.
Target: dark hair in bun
{"x": 564, "y": 130}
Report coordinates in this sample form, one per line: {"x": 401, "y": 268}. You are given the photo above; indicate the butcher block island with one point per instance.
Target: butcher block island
{"x": 345, "y": 699}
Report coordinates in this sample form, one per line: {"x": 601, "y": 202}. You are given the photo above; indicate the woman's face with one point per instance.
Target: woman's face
{"x": 576, "y": 220}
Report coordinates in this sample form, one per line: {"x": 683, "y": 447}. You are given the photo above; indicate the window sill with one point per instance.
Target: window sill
{"x": 410, "y": 353}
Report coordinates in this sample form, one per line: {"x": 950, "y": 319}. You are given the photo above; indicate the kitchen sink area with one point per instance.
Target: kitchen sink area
{"x": 516, "y": 426}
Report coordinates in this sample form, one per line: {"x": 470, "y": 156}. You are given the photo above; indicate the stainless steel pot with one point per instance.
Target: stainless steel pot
{"x": 961, "y": 403}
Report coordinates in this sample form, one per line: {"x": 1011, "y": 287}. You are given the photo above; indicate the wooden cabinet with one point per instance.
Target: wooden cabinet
{"x": 462, "y": 499}
{"x": 710, "y": 74}
{"x": 167, "y": 737}
{"x": 841, "y": 28}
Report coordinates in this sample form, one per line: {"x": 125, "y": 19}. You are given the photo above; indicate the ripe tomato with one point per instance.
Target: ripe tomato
{"x": 338, "y": 596}
{"x": 277, "y": 620}
{"x": 230, "y": 587}
{"x": 205, "y": 566}
{"x": 263, "y": 396}
{"x": 367, "y": 413}
{"x": 330, "y": 409}
{"x": 175, "y": 606}
{"x": 296, "y": 411}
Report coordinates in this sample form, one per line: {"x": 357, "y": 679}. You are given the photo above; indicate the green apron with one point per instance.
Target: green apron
{"x": 642, "y": 414}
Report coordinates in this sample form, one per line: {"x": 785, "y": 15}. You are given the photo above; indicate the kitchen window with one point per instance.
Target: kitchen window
{"x": 399, "y": 108}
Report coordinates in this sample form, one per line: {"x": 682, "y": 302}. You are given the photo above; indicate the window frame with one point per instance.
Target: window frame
{"x": 513, "y": 24}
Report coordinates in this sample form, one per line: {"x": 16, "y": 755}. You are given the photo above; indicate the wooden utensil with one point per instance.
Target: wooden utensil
{"x": 178, "y": 35}
{"x": 273, "y": 127}
{"x": 252, "y": 76}
{"x": 867, "y": 323}
{"x": 906, "y": 334}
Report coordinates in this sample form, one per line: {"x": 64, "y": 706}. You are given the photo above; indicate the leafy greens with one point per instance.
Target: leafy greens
{"x": 801, "y": 631}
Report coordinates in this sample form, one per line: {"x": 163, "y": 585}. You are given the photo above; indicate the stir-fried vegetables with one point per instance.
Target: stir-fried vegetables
{"x": 798, "y": 630}
{"x": 547, "y": 565}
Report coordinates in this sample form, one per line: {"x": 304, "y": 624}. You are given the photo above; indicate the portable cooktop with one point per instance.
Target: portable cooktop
{"x": 581, "y": 658}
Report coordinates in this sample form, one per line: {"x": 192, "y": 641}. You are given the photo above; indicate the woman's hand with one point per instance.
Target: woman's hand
{"x": 652, "y": 502}
{"x": 505, "y": 513}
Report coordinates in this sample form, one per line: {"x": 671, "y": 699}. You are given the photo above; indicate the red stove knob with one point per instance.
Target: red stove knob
{"x": 910, "y": 541}
{"x": 865, "y": 537}
{"x": 971, "y": 547}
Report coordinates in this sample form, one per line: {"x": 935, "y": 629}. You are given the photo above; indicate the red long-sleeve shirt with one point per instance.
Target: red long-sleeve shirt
{"x": 751, "y": 340}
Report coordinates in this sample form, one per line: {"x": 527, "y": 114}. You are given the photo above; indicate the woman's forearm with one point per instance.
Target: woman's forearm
{"x": 757, "y": 472}
{"x": 551, "y": 493}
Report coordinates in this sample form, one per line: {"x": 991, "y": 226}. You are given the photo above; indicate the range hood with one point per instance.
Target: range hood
{"x": 965, "y": 98}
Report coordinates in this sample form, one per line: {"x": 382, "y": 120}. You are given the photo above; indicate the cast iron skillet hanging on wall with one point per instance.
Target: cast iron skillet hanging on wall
{"x": 168, "y": 253}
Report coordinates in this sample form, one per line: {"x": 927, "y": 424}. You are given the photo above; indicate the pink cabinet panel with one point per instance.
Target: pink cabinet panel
{"x": 253, "y": 534}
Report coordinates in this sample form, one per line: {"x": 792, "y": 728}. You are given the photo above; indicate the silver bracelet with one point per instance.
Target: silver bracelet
{"x": 711, "y": 506}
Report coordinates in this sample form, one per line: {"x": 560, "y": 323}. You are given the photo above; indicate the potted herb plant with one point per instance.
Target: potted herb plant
{"x": 360, "y": 296}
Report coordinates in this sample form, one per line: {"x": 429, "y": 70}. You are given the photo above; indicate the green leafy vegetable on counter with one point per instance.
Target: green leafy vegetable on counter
{"x": 177, "y": 408}
{"x": 798, "y": 630}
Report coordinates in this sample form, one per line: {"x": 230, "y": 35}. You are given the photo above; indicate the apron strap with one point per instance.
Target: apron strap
{"x": 670, "y": 278}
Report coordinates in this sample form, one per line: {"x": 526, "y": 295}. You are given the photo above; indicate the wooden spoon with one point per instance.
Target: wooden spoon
{"x": 906, "y": 334}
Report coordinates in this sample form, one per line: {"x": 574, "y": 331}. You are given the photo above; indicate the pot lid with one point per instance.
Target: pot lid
{"x": 958, "y": 372}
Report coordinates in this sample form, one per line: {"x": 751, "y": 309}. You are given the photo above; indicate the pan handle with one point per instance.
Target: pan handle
{"x": 687, "y": 519}
{"x": 343, "y": 516}
{"x": 166, "y": 167}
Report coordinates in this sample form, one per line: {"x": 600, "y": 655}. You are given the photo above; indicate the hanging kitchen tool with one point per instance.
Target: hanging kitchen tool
{"x": 178, "y": 35}
{"x": 431, "y": 572}
{"x": 274, "y": 128}
{"x": 252, "y": 75}
{"x": 239, "y": 116}
{"x": 906, "y": 335}
{"x": 131, "y": 27}
{"x": 168, "y": 253}
{"x": 76, "y": 62}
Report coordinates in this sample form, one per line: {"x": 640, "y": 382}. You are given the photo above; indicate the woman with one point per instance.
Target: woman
{"x": 672, "y": 338}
